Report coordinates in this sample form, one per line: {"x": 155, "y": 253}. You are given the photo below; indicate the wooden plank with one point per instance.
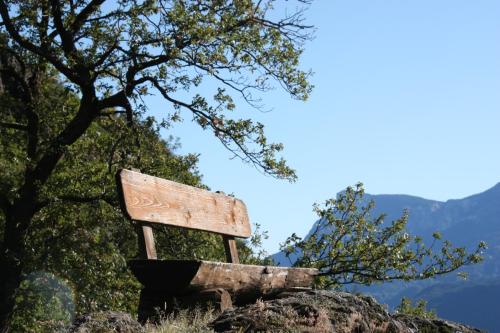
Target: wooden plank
{"x": 243, "y": 281}
{"x": 147, "y": 249}
{"x": 151, "y": 199}
{"x": 231, "y": 250}
{"x": 250, "y": 279}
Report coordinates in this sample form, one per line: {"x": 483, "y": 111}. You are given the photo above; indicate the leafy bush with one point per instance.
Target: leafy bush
{"x": 419, "y": 309}
{"x": 348, "y": 245}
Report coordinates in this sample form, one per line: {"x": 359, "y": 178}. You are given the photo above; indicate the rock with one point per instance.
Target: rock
{"x": 326, "y": 311}
{"x": 104, "y": 322}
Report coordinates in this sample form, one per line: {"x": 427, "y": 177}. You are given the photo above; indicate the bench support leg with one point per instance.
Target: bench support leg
{"x": 231, "y": 250}
{"x": 146, "y": 241}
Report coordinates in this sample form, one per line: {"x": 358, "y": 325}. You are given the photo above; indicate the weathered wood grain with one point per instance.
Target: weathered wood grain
{"x": 242, "y": 281}
{"x": 151, "y": 199}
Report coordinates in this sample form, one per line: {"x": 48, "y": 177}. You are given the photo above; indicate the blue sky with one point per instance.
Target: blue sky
{"x": 406, "y": 100}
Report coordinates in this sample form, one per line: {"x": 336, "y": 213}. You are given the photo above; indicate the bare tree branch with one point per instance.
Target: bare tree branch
{"x": 16, "y": 126}
{"x": 81, "y": 17}
{"x": 118, "y": 100}
{"x": 67, "y": 42}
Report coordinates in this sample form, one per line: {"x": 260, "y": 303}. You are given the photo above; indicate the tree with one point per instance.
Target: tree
{"x": 348, "y": 245}
{"x": 111, "y": 56}
{"x": 79, "y": 234}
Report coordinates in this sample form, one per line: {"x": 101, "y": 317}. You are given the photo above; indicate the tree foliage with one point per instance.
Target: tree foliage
{"x": 348, "y": 245}
{"x": 116, "y": 54}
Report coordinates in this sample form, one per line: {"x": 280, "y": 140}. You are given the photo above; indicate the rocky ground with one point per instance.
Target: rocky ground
{"x": 326, "y": 311}
{"x": 305, "y": 311}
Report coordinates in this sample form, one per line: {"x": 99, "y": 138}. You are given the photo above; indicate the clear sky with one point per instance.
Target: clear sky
{"x": 406, "y": 100}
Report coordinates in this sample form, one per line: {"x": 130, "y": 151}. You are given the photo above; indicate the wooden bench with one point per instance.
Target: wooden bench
{"x": 148, "y": 200}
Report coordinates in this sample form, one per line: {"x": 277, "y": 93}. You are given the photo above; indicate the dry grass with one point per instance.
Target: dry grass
{"x": 186, "y": 321}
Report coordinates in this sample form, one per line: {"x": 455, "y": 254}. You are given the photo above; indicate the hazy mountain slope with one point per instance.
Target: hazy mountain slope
{"x": 478, "y": 304}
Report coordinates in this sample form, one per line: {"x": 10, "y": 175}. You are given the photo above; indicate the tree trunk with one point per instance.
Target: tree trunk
{"x": 12, "y": 258}
{"x": 9, "y": 282}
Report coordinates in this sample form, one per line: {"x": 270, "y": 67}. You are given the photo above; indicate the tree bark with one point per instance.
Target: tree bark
{"x": 11, "y": 260}
{"x": 10, "y": 280}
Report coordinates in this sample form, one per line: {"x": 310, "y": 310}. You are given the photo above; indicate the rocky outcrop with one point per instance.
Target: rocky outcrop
{"x": 326, "y": 311}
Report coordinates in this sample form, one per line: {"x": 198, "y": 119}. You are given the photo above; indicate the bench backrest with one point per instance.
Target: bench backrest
{"x": 151, "y": 199}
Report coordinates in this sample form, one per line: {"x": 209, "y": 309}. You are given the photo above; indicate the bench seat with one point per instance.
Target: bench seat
{"x": 241, "y": 281}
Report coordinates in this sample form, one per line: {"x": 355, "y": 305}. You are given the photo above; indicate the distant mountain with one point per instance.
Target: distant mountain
{"x": 464, "y": 222}
{"x": 476, "y": 303}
